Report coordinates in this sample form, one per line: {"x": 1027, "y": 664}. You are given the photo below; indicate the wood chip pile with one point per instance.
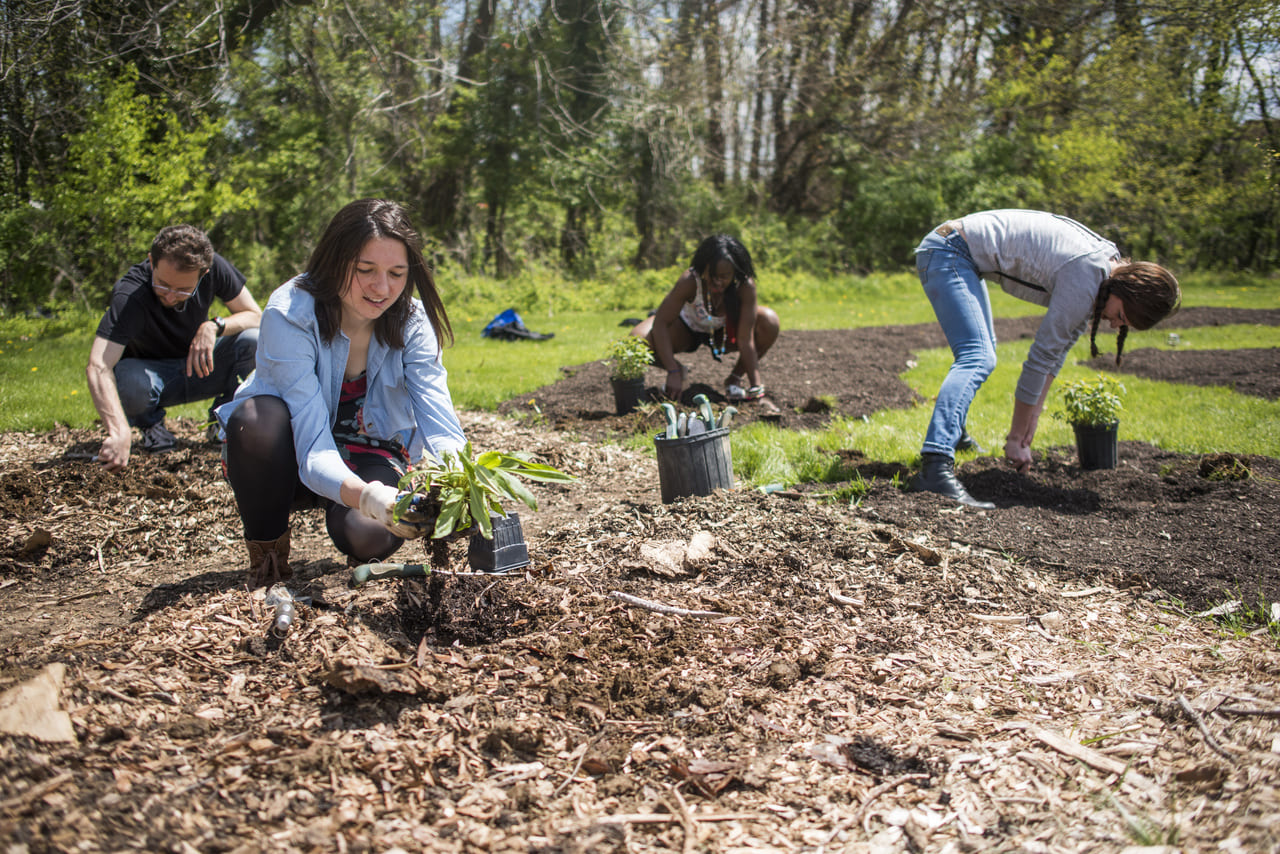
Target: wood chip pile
{"x": 739, "y": 672}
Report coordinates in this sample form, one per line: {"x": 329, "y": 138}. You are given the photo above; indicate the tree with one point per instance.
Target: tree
{"x": 130, "y": 172}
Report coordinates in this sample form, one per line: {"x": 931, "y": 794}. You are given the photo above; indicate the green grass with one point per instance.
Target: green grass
{"x": 1252, "y": 617}
{"x": 42, "y": 364}
{"x": 1186, "y": 419}
{"x": 484, "y": 372}
{"x": 42, "y": 379}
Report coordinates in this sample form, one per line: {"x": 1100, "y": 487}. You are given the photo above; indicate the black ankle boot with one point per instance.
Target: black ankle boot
{"x": 938, "y": 474}
{"x": 968, "y": 443}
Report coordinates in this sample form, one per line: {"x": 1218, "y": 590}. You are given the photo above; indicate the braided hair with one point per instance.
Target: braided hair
{"x": 1149, "y": 292}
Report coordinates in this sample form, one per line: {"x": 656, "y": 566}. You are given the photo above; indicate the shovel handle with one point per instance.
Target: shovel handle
{"x": 369, "y": 571}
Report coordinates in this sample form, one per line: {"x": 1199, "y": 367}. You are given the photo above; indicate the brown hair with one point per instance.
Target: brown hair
{"x": 331, "y": 264}
{"x": 1149, "y": 292}
{"x": 185, "y": 246}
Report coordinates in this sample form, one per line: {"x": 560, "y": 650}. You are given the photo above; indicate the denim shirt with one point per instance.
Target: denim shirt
{"x": 407, "y": 396}
{"x": 1049, "y": 260}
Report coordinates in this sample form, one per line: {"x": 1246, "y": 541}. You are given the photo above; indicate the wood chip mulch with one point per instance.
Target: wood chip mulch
{"x": 778, "y": 674}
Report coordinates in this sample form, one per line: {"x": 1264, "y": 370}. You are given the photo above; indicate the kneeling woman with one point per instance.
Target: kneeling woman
{"x": 714, "y": 303}
{"x": 349, "y": 388}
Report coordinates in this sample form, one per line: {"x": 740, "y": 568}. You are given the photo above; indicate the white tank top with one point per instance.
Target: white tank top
{"x": 696, "y": 315}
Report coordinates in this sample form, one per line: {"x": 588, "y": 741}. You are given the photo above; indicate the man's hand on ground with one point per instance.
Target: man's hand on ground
{"x": 200, "y": 356}
{"x": 114, "y": 454}
{"x": 1018, "y": 455}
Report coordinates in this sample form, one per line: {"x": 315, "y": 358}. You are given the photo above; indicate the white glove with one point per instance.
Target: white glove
{"x": 378, "y": 502}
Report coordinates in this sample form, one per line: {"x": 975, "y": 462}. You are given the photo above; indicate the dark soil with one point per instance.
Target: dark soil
{"x": 1155, "y": 521}
{"x": 889, "y": 675}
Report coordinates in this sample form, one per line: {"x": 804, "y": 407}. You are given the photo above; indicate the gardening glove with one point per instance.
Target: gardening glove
{"x": 378, "y": 502}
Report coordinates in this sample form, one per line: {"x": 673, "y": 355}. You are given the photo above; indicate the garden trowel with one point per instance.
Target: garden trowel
{"x": 367, "y": 572}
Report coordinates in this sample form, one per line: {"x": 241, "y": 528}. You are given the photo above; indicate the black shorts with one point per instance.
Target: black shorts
{"x": 718, "y": 340}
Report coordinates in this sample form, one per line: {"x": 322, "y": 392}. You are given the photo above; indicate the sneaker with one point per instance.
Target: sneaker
{"x": 157, "y": 439}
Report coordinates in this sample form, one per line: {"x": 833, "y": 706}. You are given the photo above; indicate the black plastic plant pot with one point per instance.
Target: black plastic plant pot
{"x": 505, "y": 552}
{"x": 694, "y": 465}
{"x": 1097, "y": 446}
{"x": 627, "y": 394}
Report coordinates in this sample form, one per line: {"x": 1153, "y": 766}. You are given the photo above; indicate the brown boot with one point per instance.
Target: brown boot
{"x": 268, "y": 561}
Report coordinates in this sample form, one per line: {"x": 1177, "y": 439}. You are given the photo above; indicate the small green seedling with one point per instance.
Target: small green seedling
{"x": 459, "y": 490}
{"x": 1092, "y": 403}
{"x": 628, "y": 358}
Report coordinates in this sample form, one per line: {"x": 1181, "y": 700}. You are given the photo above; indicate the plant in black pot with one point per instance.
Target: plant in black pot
{"x": 1092, "y": 407}
{"x": 628, "y": 359}
{"x": 460, "y": 495}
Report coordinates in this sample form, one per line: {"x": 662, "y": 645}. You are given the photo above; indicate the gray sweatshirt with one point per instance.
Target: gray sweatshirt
{"x": 1049, "y": 260}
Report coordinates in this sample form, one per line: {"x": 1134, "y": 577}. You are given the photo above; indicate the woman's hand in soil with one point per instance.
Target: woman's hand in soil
{"x": 378, "y": 502}
{"x": 1018, "y": 454}
{"x": 675, "y": 383}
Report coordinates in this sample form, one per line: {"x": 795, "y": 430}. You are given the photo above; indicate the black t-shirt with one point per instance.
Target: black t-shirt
{"x": 147, "y": 328}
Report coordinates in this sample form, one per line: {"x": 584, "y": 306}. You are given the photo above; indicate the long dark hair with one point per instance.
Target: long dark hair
{"x": 1150, "y": 293}
{"x": 334, "y": 259}
{"x": 721, "y": 247}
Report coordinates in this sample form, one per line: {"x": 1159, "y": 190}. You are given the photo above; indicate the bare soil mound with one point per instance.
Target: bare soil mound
{"x": 812, "y": 376}
{"x": 1254, "y": 372}
{"x": 787, "y": 674}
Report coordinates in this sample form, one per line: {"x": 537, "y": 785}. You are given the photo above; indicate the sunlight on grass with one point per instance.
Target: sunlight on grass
{"x": 1181, "y": 418}
{"x": 484, "y": 372}
{"x": 42, "y": 360}
{"x": 1235, "y": 337}
{"x": 763, "y": 454}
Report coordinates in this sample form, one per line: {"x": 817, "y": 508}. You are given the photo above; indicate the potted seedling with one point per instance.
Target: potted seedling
{"x": 628, "y": 359}
{"x": 461, "y": 495}
{"x": 1092, "y": 407}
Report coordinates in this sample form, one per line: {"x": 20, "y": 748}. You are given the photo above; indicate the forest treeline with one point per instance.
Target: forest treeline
{"x": 600, "y": 137}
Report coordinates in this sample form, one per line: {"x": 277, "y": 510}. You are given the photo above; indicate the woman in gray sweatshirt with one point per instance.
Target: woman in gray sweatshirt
{"x": 1039, "y": 257}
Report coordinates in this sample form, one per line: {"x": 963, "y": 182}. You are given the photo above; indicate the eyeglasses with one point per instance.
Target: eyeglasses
{"x": 175, "y": 291}
{"x": 165, "y": 289}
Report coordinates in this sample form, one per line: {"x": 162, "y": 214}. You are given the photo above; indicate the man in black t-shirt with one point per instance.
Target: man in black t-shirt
{"x": 156, "y": 345}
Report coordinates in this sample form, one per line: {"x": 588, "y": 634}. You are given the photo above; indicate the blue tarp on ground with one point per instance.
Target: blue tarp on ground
{"x": 508, "y": 326}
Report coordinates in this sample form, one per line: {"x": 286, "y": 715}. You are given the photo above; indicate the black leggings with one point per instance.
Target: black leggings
{"x": 263, "y": 471}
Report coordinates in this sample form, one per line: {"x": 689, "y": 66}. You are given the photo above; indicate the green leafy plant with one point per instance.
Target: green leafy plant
{"x": 461, "y": 491}
{"x": 1092, "y": 402}
{"x": 628, "y": 358}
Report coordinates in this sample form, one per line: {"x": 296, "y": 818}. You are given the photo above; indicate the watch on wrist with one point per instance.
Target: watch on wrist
{"x": 220, "y": 325}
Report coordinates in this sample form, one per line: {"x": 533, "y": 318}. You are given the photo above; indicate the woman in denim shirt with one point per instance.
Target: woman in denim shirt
{"x": 349, "y": 390}
{"x": 1043, "y": 258}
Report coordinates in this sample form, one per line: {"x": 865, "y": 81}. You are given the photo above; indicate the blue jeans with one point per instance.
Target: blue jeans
{"x": 963, "y": 308}
{"x": 147, "y": 386}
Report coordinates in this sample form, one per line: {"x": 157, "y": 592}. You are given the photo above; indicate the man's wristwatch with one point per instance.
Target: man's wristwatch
{"x": 220, "y": 325}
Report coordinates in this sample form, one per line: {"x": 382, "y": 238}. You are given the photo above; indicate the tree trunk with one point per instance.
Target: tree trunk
{"x": 714, "y": 86}
{"x": 443, "y": 195}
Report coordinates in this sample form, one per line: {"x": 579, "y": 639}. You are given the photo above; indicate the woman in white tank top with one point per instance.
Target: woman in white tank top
{"x": 714, "y": 302}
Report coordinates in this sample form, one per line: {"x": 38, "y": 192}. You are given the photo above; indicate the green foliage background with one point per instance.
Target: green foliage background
{"x": 552, "y": 145}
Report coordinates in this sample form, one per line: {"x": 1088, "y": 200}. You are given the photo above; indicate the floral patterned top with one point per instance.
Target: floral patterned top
{"x": 349, "y": 434}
